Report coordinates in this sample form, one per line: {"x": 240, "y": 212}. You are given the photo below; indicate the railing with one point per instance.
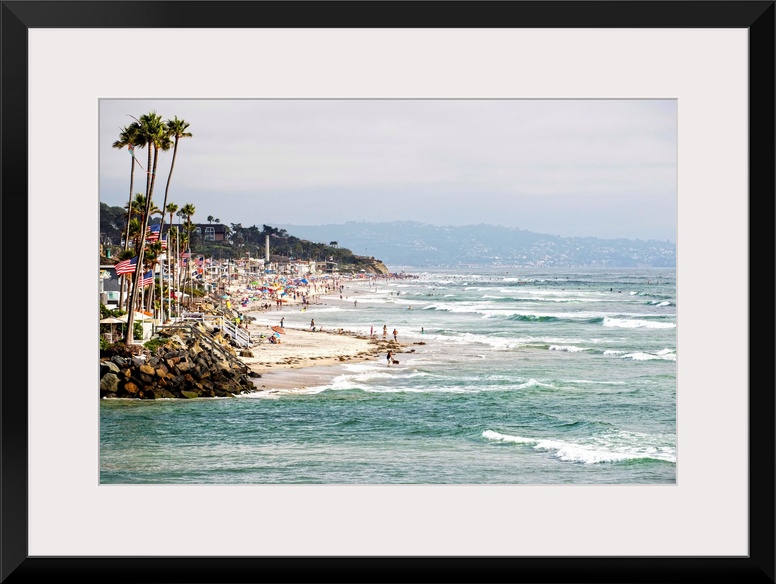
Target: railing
{"x": 241, "y": 337}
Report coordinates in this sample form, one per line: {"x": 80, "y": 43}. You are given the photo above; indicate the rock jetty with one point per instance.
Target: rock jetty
{"x": 187, "y": 369}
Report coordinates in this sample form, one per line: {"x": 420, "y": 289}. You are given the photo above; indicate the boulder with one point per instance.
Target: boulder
{"x": 109, "y": 382}
{"x": 108, "y": 367}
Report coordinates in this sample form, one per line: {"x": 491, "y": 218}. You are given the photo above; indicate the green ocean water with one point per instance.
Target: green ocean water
{"x": 517, "y": 377}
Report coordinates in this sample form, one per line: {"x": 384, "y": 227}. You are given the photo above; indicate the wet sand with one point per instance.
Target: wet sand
{"x": 305, "y": 358}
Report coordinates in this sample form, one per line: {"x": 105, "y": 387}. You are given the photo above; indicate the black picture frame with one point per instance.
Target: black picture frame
{"x": 19, "y": 16}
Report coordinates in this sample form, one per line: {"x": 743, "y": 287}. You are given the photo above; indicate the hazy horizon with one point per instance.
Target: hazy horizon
{"x": 581, "y": 168}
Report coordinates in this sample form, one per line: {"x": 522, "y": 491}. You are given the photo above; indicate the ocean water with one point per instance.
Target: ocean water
{"x": 511, "y": 376}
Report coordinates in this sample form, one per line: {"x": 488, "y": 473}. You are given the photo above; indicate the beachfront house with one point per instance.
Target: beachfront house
{"x": 109, "y": 286}
{"x": 255, "y": 268}
{"x": 205, "y": 231}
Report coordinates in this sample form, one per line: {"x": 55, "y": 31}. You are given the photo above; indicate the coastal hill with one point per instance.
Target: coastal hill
{"x": 414, "y": 244}
{"x": 241, "y": 241}
{"x": 409, "y": 243}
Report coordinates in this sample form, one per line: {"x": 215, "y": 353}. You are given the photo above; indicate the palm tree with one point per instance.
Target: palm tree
{"x": 173, "y": 238}
{"x": 175, "y": 129}
{"x": 171, "y": 209}
{"x": 187, "y": 211}
{"x": 134, "y": 232}
{"x": 209, "y": 218}
{"x": 180, "y": 214}
{"x": 131, "y": 138}
{"x": 140, "y": 212}
{"x": 152, "y": 130}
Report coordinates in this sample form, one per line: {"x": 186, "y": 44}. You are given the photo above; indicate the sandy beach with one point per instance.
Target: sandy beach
{"x": 305, "y": 358}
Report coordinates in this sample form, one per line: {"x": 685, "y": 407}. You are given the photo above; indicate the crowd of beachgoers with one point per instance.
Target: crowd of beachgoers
{"x": 261, "y": 309}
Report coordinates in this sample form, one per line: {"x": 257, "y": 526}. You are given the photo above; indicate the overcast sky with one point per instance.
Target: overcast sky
{"x": 602, "y": 168}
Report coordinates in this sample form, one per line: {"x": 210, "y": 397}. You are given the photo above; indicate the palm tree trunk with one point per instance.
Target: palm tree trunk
{"x": 129, "y": 204}
{"x": 164, "y": 208}
{"x": 167, "y": 187}
{"x": 129, "y": 217}
{"x": 143, "y": 228}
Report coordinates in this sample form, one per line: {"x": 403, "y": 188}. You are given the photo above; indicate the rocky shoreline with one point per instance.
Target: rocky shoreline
{"x": 199, "y": 362}
{"x": 181, "y": 368}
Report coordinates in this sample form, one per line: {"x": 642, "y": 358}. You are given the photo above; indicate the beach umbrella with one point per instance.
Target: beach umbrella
{"x": 112, "y": 320}
{"x": 279, "y": 329}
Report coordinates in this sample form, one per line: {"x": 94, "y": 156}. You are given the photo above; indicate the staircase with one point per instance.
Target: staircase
{"x": 239, "y": 336}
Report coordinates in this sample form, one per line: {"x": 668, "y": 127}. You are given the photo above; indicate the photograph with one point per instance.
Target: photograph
{"x": 388, "y": 291}
{"x": 469, "y": 294}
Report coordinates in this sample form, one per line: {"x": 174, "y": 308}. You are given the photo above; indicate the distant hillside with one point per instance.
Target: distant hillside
{"x": 239, "y": 242}
{"x": 409, "y": 243}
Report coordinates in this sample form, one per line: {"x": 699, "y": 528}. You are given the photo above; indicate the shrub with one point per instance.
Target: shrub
{"x": 122, "y": 350}
{"x": 153, "y": 344}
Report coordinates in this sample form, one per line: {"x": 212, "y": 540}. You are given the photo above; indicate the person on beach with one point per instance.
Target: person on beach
{"x": 281, "y": 322}
{"x": 312, "y": 324}
{"x": 389, "y": 357}
{"x": 354, "y": 303}
{"x": 394, "y": 334}
{"x": 385, "y": 330}
{"x": 372, "y": 331}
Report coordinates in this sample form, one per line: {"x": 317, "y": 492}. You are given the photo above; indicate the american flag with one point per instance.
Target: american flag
{"x": 152, "y": 235}
{"x": 186, "y": 254}
{"x": 148, "y": 279}
{"x": 164, "y": 242}
{"x": 126, "y": 267}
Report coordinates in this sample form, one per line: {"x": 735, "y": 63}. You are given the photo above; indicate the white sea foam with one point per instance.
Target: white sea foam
{"x": 633, "y": 323}
{"x": 641, "y": 356}
{"x": 484, "y": 339}
{"x": 491, "y": 435}
{"x": 567, "y": 348}
{"x": 613, "y": 447}
{"x": 459, "y": 307}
